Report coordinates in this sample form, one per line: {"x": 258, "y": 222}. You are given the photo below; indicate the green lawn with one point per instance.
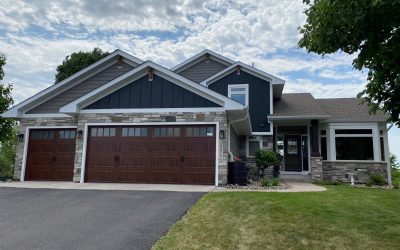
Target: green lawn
{"x": 340, "y": 218}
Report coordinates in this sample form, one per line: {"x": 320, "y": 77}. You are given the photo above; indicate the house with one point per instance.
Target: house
{"x": 122, "y": 119}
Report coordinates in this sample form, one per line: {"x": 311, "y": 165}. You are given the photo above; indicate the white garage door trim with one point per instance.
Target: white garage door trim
{"x": 87, "y": 125}
{"x": 26, "y": 142}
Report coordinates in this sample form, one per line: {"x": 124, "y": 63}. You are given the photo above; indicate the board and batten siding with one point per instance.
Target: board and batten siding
{"x": 159, "y": 93}
{"x": 54, "y": 104}
{"x": 202, "y": 70}
{"x": 259, "y": 97}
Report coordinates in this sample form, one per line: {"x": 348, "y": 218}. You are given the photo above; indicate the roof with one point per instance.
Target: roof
{"x": 192, "y": 60}
{"x": 349, "y": 110}
{"x": 305, "y": 106}
{"x": 297, "y": 105}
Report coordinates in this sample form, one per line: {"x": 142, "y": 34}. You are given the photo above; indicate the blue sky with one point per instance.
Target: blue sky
{"x": 37, "y": 35}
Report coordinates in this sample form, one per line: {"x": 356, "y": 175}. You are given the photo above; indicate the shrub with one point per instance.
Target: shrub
{"x": 265, "y": 159}
{"x": 396, "y": 183}
{"x": 265, "y": 183}
{"x": 275, "y": 182}
{"x": 376, "y": 179}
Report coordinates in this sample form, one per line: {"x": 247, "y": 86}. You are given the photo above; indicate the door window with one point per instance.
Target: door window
{"x": 292, "y": 146}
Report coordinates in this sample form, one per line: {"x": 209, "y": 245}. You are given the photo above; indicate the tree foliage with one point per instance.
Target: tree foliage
{"x": 265, "y": 159}
{"x": 369, "y": 29}
{"x": 7, "y": 155}
{"x": 6, "y": 100}
{"x": 77, "y": 61}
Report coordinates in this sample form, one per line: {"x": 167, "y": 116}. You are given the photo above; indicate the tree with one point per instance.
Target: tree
{"x": 6, "y": 100}
{"x": 368, "y": 29}
{"x": 393, "y": 162}
{"x": 77, "y": 61}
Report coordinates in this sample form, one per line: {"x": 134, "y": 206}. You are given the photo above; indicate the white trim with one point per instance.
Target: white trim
{"x": 183, "y": 65}
{"x": 245, "y": 92}
{"x": 14, "y": 112}
{"x": 119, "y": 82}
{"x": 246, "y": 68}
{"x": 262, "y": 133}
{"x": 296, "y": 117}
{"x": 52, "y": 115}
{"x": 164, "y": 110}
{"x": 26, "y": 142}
{"x": 87, "y": 125}
{"x": 387, "y": 154}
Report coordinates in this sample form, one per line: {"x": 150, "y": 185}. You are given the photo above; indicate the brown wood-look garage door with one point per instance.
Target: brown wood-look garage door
{"x": 51, "y": 155}
{"x": 151, "y": 154}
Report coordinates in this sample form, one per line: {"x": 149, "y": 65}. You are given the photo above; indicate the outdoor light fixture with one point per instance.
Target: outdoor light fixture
{"x": 207, "y": 58}
{"x": 21, "y": 137}
{"x": 119, "y": 62}
{"x": 238, "y": 70}
{"x": 150, "y": 73}
{"x": 79, "y": 133}
{"x": 222, "y": 134}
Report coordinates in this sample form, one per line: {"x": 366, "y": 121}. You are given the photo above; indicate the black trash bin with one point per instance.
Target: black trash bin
{"x": 237, "y": 173}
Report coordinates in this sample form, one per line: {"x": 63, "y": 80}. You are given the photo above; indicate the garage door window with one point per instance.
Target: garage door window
{"x": 66, "y": 134}
{"x": 42, "y": 135}
{"x": 199, "y": 131}
{"x": 102, "y": 132}
{"x": 134, "y": 132}
{"x": 166, "y": 132}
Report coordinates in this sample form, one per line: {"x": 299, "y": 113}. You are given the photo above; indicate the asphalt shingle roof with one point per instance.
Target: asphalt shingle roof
{"x": 335, "y": 109}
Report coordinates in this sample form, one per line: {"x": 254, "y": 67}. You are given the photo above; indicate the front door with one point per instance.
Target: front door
{"x": 292, "y": 147}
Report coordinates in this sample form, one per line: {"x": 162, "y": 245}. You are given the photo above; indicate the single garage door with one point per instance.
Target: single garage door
{"x": 151, "y": 154}
{"x": 51, "y": 155}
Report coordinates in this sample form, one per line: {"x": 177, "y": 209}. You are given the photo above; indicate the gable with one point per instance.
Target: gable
{"x": 159, "y": 93}
{"x": 259, "y": 97}
{"x": 203, "y": 70}
{"x": 55, "y": 103}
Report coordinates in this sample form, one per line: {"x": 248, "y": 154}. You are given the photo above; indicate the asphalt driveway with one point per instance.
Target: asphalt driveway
{"x": 88, "y": 219}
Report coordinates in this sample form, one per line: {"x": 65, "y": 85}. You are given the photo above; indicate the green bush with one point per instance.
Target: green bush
{"x": 376, "y": 179}
{"x": 275, "y": 182}
{"x": 396, "y": 183}
{"x": 265, "y": 159}
{"x": 266, "y": 183}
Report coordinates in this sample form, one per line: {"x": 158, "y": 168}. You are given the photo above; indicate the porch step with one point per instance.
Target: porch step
{"x": 295, "y": 178}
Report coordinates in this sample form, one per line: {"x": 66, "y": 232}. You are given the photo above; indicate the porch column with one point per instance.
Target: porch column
{"x": 314, "y": 139}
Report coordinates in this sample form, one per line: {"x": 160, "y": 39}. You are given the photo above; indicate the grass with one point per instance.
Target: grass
{"x": 340, "y": 218}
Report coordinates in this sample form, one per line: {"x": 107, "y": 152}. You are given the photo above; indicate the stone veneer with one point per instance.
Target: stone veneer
{"x": 316, "y": 168}
{"x": 341, "y": 170}
{"x": 82, "y": 119}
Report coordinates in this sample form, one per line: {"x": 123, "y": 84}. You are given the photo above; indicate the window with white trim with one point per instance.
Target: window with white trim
{"x": 254, "y": 143}
{"x": 354, "y": 144}
{"x": 239, "y": 93}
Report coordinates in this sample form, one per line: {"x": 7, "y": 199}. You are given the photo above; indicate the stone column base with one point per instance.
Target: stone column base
{"x": 316, "y": 168}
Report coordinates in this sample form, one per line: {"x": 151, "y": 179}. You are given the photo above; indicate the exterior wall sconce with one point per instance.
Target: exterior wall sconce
{"x": 150, "y": 73}
{"x": 79, "y": 134}
{"x": 222, "y": 134}
{"x": 119, "y": 62}
{"x": 238, "y": 70}
{"x": 21, "y": 137}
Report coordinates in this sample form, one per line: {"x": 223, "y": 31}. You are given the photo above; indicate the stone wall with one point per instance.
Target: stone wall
{"x": 36, "y": 122}
{"x": 341, "y": 170}
{"x": 316, "y": 168}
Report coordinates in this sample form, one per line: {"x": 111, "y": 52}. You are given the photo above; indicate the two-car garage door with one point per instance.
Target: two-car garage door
{"x": 151, "y": 154}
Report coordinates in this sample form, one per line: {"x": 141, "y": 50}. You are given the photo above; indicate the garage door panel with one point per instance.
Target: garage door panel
{"x": 153, "y": 154}
{"x": 50, "y": 157}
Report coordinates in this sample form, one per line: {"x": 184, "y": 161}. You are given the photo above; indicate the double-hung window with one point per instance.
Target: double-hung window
{"x": 239, "y": 93}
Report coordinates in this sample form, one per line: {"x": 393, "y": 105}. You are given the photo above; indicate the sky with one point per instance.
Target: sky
{"x": 36, "y": 36}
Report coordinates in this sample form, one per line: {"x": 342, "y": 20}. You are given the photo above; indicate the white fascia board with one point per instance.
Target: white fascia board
{"x": 192, "y": 59}
{"x": 15, "y": 111}
{"x": 296, "y": 117}
{"x": 228, "y": 104}
{"x": 246, "y": 68}
{"x": 150, "y": 110}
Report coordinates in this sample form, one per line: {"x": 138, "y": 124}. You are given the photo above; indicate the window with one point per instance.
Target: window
{"x": 41, "y": 134}
{"x": 382, "y": 144}
{"x": 199, "y": 131}
{"x": 254, "y": 144}
{"x": 128, "y": 132}
{"x": 292, "y": 147}
{"x": 354, "y": 144}
{"x": 66, "y": 134}
{"x": 102, "y": 132}
{"x": 167, "y": 132}
{"x": 239, "y": 93}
